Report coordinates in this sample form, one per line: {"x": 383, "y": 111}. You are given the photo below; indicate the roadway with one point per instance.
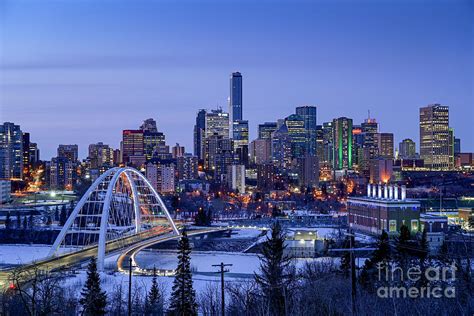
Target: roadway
{"x": 134, "y": 244}
{"x": 123, "y": 260}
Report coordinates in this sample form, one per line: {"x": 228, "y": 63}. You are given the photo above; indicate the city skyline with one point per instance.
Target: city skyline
{"x": 113, "y": 86}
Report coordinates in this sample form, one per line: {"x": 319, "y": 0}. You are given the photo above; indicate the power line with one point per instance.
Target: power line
{"x": 222, "y": 266}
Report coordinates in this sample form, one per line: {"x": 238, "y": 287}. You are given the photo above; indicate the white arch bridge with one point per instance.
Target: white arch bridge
{"x": 119, "y": 206}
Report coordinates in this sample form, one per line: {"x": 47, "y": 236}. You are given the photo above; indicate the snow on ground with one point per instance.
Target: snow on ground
{"x": 246, "y": 233}
{"x": 24, "y": 253}
{"x": 111, "y": 282}
{"x": 243, "y": 264}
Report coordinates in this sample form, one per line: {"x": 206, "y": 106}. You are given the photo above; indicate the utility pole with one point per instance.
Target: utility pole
{"x": 353, "y": 267}
{"x": 222, "y": 266}
{"x": 353, "y": 273}
{"x": 130, "y": 266}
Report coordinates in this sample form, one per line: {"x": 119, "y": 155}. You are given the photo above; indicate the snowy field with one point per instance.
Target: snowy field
{"x": 23, "y": 254}
{"x": 243, "y": 264}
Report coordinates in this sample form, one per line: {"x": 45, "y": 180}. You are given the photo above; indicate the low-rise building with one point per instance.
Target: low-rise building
{"x": 383, "y": 209}
{"x": 304, "y": 244}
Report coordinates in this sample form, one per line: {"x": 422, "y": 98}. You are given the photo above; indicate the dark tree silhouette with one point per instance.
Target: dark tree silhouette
{"x": 275, "y": 276}
{"x": 8, "y": 221}
{"x": 183, "y": 296}
{"x": 379, "y": 260}
{"x": 93, "y": 299}
{"x": 154, "y": 304}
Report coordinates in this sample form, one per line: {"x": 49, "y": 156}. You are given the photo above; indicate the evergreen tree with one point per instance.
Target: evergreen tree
{"x": 379, "y": 261}
{"x": 209, "y": 217}
{"x": 18, "y": 220}
{"x": 25, "y": 223}
{"x": 31, "y": 221}
{"x": 403, "y": 241}
{"x": 56, "y": 213}
{"x": 154, "y": 304}
{"x": 423, "y": 248}
{"x": 93, "y": 299}
{"x": 183, "y": 296}
{"x": 275, "y": 276}
{"x": 63, "y": 216}
{"x": 8, "y": 221}
{"x": 346, "y": 258}
{"x": 49, "y": 220}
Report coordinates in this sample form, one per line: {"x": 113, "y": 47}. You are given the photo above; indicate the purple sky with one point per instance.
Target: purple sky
{"x": 81, "y": 71}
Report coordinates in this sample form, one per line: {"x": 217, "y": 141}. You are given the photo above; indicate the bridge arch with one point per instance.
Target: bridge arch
{"x": 119, "y": 204}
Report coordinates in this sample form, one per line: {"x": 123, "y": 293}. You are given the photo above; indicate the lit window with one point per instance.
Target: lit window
{"x": 392, "y": 225}
{"x": 414, "y": 225}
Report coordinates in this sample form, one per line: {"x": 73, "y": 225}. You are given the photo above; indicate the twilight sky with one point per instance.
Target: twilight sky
{"x": 81, "y": 71}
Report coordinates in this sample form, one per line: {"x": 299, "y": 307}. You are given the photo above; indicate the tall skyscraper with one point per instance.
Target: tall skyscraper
{"x": 177, "y": 151}
{"x": 70, "y": 152}
{"x": 199, "y": 134}
{"x": 298, "y": 136}
{"x": 385, "y": 145}
{"x": 407, "y": 149}
{"x": 100, "y": 155}
{"x": 26, "y": 155}
{"x": 328, "y": 150}
{"x": 320, "y": 143}
{"x": 436, "y": 138}
{"x": 457, "y": 145}
{"x": 235, "y": 104}
{"x": 309, "y": 115}
{"x": 11, "y": 151}
{"x": 342, "y": 143}
{"x": 241, "y": 141}
{"x": 61, "y": 173}
{"x": 370, "y": 128}
{"x": 281, "y": 147}
{"x": 219, "y": 155}
{"x": 149, "y": 125}
{"x": 260, "y": 151}
{"x": 217, "y": 123}
{"x": 187, "y": 167}
{"x": 266, "y": 129}
{"x": 132, "y": 145}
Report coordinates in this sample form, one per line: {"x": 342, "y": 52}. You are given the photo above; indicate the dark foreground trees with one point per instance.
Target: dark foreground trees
{"x": 93, "y": 299}
{"x": 183, "y": 296}
{"x": 276, "y": 276}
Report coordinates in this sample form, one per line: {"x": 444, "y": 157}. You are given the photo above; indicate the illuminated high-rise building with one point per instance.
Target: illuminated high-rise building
{"x": 266, "y": 129}
{"x": 199, "y": 134}
{"x": 370, "y": 128}
{"x": 177, "y": 151}
{"x": 61, "y": 173}
{"x": 70, "y": 152}
{"x": 11, "y": 151}
{"x": 281, "y": 147}
{"x": 235, "y": 103}
{"x": 328, "y": 150}
{"x": 217, "y": 123}
{"x": 309, "y": 116}
{"x": 385, "y": 145}
{"x": 240, "y": 137}
{"x": 320, "y": 143}
{"x": 297, "y": 134}
{"x": 100, "y": 155}
{"x": 132, "y": 145}
{"x": 436, "y": 138}
{"x": 407, "y": 149}
{"x": 342, "y": 143}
